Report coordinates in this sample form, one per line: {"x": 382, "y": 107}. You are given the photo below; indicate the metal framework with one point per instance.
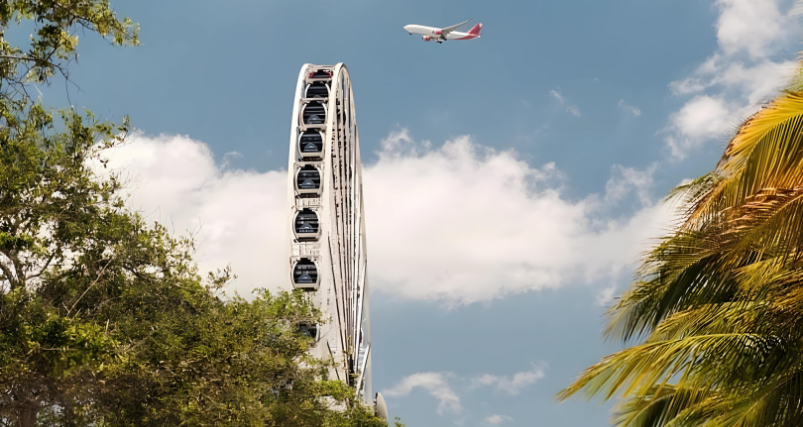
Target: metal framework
{"x": 327, "y": 242}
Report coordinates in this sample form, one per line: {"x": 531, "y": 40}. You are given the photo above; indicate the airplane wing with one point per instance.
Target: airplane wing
{"x": 448, "y": 30}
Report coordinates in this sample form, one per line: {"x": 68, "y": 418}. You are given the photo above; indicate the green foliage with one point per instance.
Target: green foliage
{"x": 54, "y": 43}
{"x": 104, "y": 319}
{"x": 717, "y": 307}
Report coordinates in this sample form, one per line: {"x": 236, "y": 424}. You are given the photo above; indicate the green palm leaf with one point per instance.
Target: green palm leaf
{"x": 716, "y": 309}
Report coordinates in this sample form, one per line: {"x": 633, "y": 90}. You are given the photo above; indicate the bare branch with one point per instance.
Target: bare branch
{"x": 47, "y": 264}
{"x": 95, "y": 282}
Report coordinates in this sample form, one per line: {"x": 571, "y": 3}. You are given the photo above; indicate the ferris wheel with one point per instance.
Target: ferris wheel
{"x": 327, "y": 240}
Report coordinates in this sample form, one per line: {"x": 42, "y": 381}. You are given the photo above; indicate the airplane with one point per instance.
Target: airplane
{"x": 442, "y": 34}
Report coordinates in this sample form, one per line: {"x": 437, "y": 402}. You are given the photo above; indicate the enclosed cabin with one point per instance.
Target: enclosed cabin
{"x": 314, "y": 101}
{"x": 313, "y": 115}
{"x": 308, "y": 330}
{"x": 316, "y": 90}
{"x": 306, "y": 225}
{"x": 308, "y": 179}
{"x": 310, "y": 144}
{"x": 305, "y": 274}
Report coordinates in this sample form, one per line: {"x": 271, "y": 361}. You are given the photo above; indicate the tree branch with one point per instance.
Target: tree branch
{"x": 13, "y": 282}
{"x": 95, "y": 282}
{"x": 47, "y": 264}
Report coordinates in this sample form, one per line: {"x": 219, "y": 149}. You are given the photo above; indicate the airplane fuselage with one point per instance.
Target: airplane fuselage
{"x": 435, "y": 33}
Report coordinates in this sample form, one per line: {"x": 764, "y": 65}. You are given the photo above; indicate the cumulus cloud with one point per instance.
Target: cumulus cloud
{"x": 459, "y": 223}
{"x": 754, "y": 26}
{"x": 570, "y": 108}
{"x": 701, "y": 119}
{"x": 498, "y": 419}
{"x": 237, "y": 216}
{"x": 510, "y": 385}
{"x": 435, "y": 384}
{"x": 464, "y": 223}
{"x": 736, "y": 79}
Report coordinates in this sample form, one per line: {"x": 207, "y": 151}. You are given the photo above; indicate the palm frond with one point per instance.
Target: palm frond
{"x": 717, "y": 306}
{"x": 660, "y": 406}
{"x": 765, "y": 152}
{"x": 700, "y": 359}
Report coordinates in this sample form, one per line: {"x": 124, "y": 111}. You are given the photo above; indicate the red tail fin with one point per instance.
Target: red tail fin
{"x": 476, "y": 29}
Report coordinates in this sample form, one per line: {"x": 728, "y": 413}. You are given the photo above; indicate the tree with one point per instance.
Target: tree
{"x": 53, "y": 45}
{"x": 718, "y": 304}
{"x": 104, "y": 319}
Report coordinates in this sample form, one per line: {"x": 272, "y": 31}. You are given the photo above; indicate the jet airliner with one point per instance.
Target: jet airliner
{"x": 441, "y": 34}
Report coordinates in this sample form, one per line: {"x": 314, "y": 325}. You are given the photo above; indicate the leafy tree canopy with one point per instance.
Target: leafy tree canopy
{"x": 104, "y": 319}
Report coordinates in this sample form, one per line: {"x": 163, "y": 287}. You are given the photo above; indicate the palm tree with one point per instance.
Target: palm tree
{"x": 716, "y": 311}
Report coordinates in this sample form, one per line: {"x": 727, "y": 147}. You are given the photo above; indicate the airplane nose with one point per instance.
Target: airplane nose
{"x": 407, "y": 28}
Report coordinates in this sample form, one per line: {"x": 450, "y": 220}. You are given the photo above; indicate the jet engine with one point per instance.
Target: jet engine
{"x": 426, "y": 38}
{"x": 438, "y": 32}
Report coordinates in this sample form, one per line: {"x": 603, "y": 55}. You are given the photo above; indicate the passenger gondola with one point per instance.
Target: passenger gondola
{"x": 316, "y": 90}
{"x": 310, "y": 144}
{"x": 308, "y": 180}
{"x": 305, "y": 274}
{"x": 313, "y": 114}
{"x": 306, "y": 225}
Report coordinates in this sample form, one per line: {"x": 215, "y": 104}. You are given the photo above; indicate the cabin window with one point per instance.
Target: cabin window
{"x": 306, "y": 224}
{"x": 309, "y": 331}
{"x": 308, "y": 179}
{"x": 314, "y": 113}
{"x": 317, "y": 90}
{"x": 310, "y": 143}
{"x": 305, "y": 272}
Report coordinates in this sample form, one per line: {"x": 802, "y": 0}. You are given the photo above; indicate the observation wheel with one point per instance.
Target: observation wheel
{"x": 327, "y": 240}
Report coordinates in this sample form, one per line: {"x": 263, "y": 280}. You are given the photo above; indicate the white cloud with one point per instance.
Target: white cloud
{"x": 562, "y": 101}
{"x": 688, "y": 86}
{"x": 434, "y": 383}
{"x": 624, "y": 181}
{"x": 755, "y": 83}
{"x": 700, "y": 120}
{"x": 736, "y": 79}
{"x": 702, "y": 117}
{"x": 239, "y": 216}
{"x": 605, "y": 296}
{"x": 512, "y": 386}
{"x": 498, "y": 419}
{"x": 754, "y": 26}
{"x": 460, "y": 223}
{"x": 437, "y": 384}
{"x": 759, "y": 82}
{"x": 464, "y": 223}
{"x": 635, "y": 111}
{"x": 557, "y": 96}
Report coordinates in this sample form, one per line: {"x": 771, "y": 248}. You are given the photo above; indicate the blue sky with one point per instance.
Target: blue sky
{"x": 511, "y": 181}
